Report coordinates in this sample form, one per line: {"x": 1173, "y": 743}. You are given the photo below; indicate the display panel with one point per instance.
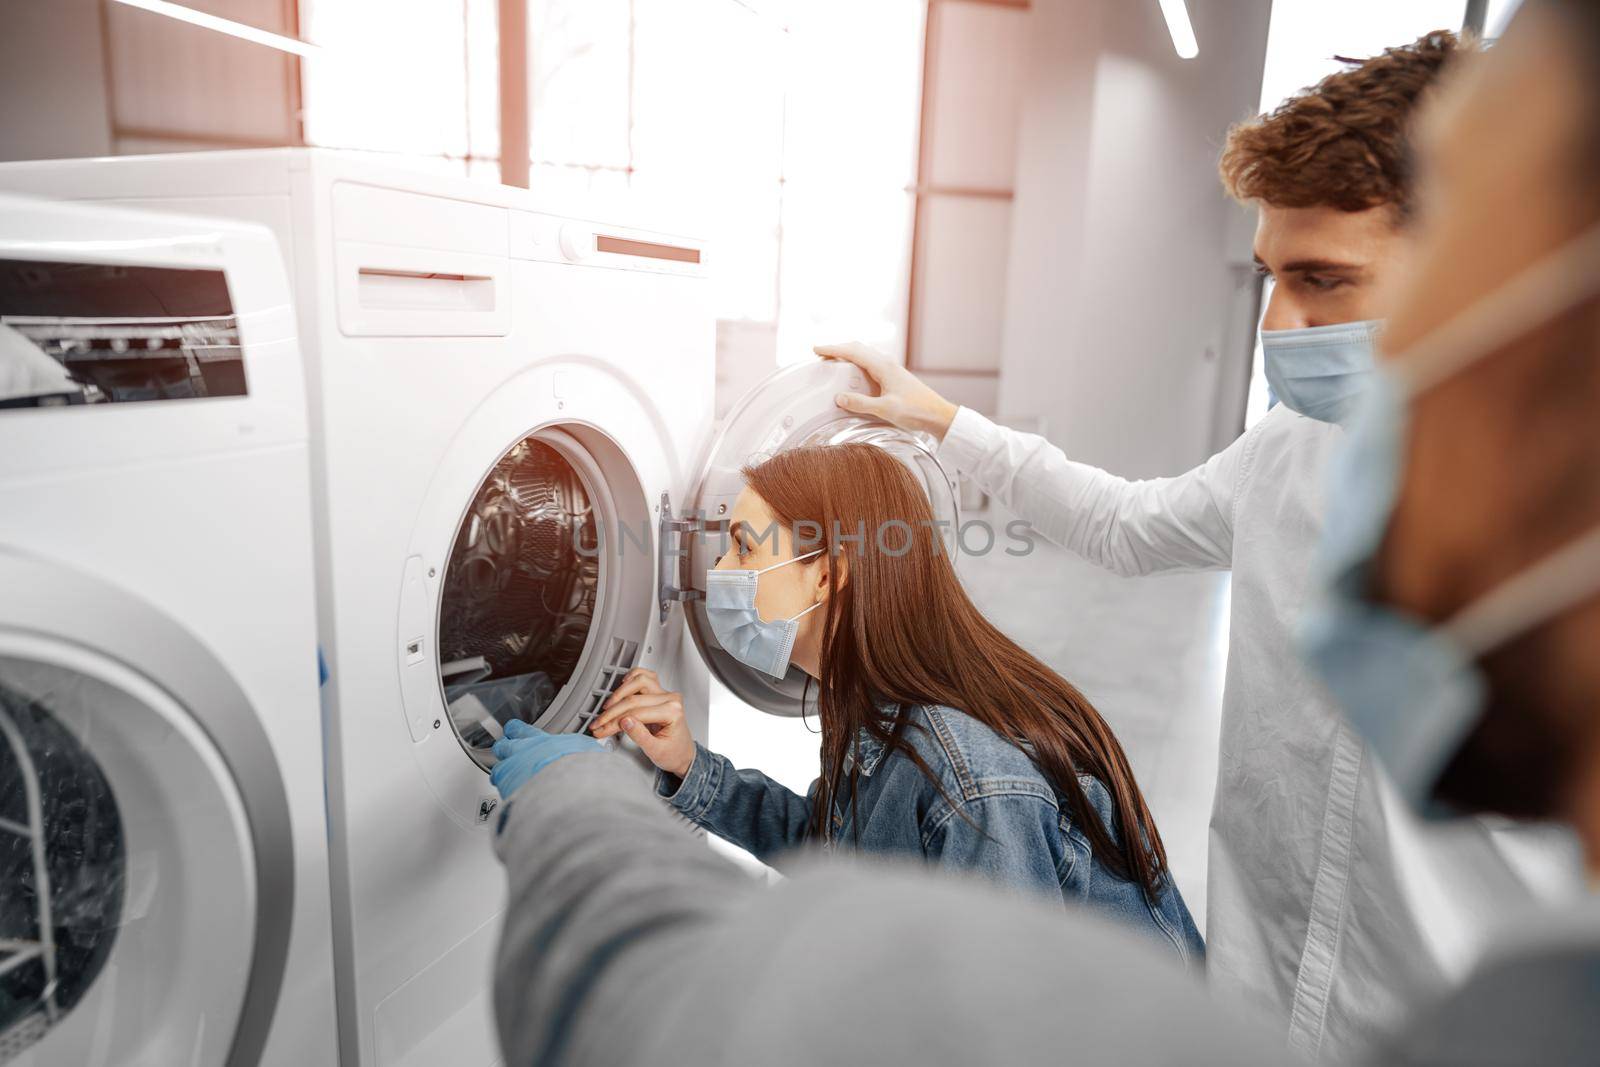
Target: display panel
{"x": 62, "y": 871}
{"x": 519, "y": 594}
{"x": 74, "y": 334}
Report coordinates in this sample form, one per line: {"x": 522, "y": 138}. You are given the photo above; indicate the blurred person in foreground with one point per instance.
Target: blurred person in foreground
{"x": 1459, "y": 613}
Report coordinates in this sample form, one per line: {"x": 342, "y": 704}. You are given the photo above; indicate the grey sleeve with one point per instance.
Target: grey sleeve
{"x": 626, "y": 941}
{"x": 602, "y": 883}
{"x": 1536, "y": 1007}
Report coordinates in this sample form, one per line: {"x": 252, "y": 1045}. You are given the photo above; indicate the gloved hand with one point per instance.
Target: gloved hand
{"x": 526, "y": 750}
{"x": 902, "y": 399}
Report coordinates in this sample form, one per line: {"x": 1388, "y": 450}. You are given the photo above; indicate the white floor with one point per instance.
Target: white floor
{"x": 1148, "y": 652}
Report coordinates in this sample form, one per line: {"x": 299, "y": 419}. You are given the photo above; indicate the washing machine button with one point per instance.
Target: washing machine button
{"x": 577, "y": 242}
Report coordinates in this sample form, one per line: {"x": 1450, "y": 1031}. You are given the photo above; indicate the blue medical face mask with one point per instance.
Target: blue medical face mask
{"x": 738, "y": 626}
{"x": 1320, "y": 371}
{"x": 1414, "y": 690}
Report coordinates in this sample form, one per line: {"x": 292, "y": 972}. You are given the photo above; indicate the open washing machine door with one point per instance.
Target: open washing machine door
{"x": 528, "y": 590}
{"x": 792, "y": 407}
{"x": 146, "y": 872}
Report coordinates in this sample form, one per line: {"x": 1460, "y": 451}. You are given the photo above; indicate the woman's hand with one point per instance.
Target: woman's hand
{"x": 902, "y": 401}
{"x": 652, "y": 716}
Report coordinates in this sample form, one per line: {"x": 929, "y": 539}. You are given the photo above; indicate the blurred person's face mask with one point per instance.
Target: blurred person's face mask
{"x": 1320, "y": 371}
{"x": 1415, "y": 690}
{"x": 739, "y": 627}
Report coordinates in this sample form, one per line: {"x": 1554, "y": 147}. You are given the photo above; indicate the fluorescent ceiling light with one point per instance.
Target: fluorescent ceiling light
{"x": 1177, "y": 15}
{"x": 222, "y": 25}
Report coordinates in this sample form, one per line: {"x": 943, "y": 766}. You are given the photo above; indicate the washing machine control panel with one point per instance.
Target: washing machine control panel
{"x": 552, "y": 239}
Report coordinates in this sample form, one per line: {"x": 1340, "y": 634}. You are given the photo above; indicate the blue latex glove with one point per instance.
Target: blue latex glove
{"x": 526, "y": 750}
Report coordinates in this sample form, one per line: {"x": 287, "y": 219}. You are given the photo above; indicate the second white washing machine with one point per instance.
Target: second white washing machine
{"x": 163, "y": 838}
{"x": 517, "y": 482}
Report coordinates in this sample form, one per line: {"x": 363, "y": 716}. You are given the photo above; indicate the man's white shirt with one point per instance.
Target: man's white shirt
{"x": 1328, "y": 905}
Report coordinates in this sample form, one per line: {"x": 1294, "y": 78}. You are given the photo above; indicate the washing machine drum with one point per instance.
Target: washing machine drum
{"x": 520, "y": 589}
{"x": 63, "y": 871}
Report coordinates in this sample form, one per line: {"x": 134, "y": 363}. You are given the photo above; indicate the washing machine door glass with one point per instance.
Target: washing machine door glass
{"x": 101, "y": 333}
{"x": 532, "y": 601}
{"x": 793, "y": 407}
{"x": 126, "y": 889}
{"x": 63, "y": 865}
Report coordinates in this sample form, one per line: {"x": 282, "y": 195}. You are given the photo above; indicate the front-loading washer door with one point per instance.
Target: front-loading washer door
{"x": 139, "y": 924}
{"x": 539, "y": 614}
{"x": 126, "y": 878}
{"x": 528, "y": 589}
{"x": 792, "y": 407}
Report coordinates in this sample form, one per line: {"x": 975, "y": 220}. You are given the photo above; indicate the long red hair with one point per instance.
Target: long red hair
{"x": 900, "y": 630}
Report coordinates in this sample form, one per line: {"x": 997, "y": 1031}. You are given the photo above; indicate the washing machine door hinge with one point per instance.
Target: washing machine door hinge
{"x": 672, "y": 556}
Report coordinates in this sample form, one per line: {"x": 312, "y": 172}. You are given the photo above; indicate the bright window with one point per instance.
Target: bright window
{"x": 783, "y": 134}
{"x": 1498, "y": 14}
{"x": 1306, "y": 36}
{"x": 416, "y": 78}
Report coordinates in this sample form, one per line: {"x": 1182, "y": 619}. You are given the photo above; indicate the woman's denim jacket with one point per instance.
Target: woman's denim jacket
{"x": 1002, "y": 818}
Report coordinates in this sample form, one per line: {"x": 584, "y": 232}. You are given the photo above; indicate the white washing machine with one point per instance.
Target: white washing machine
{"x": 163, "y": 844}
{"x": 512, "y": 432}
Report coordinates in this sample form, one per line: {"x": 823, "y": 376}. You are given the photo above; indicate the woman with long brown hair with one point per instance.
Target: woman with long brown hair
{"x": 941, "y": 737}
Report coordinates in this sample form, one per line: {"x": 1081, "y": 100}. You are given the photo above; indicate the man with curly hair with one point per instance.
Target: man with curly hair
{"x": 1325, "y": 901}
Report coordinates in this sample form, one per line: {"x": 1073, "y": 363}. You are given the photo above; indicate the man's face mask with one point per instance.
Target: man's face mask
{"x": 1320, "y": 371}
{"x": 1415, "y": 691}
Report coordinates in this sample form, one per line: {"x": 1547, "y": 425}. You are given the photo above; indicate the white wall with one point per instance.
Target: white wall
{"x": 92, "y": 78}
{"x": 52, "y": 81}
{"x": 1128, "y": 314}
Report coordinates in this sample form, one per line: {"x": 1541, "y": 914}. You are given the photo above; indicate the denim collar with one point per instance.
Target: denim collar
{"x": 869, "y": 753}
{"x": 868, "y": 749}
